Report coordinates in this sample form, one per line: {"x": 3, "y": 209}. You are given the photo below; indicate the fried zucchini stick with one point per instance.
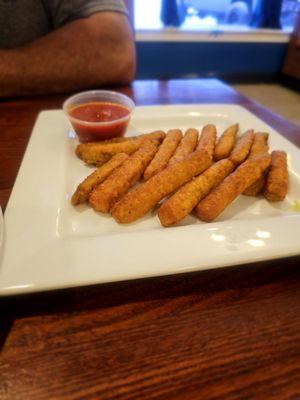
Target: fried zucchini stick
{"x": 277, "y": 179}
{"x": 260, "y": 146}
{"x": 226, "y": 142}
{"x": 216, "y": 201}
{"x": 207, "y": 139}
{"x": 165, "y": 152}
{"x": 142, "y": 199}
{"x": 97, "y": 153}
{"x": 186, "y": 146}
{"x": 121, "y": 179}
{"x": 186, "y": 198}
{"x": 242, "y": 148}
{"x": 257, "y": 187}
{"x": 83, "y": 191}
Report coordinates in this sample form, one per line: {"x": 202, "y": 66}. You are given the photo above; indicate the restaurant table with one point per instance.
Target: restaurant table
{"x": 229, "y": 333}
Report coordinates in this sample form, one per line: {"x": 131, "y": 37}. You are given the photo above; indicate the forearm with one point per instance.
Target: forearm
{"x": 71, "y": 58}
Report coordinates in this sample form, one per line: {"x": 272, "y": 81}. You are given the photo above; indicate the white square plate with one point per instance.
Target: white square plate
{"x": 49, "y": 244}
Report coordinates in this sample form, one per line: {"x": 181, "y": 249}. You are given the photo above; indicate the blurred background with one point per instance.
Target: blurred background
{"x": 209, "y": 14}
{"x": 252, "y": 44}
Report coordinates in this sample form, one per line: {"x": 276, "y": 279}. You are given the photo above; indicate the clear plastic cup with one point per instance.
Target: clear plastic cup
{"x": 98, "y": 114}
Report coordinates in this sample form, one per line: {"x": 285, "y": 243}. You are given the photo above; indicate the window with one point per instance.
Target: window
{"x": 215, "y": 14}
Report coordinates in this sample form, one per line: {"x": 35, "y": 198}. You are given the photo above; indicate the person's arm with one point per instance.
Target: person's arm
{"x": 89, "y": 52}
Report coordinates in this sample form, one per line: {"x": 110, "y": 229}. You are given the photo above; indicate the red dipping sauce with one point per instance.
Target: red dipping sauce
{"x": 99, "y": 120}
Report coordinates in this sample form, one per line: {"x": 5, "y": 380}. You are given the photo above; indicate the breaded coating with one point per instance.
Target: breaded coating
{"x": 97, "y": 153}
{"x": 187, "y": 197}
{"x": 96, "y": 159}
{"x": 186, "y": 146}
{"x": 83, "y": 191}
{"x": 102, "y": 145}
{"x": 207, "y": 140}
{"x": 242, "y": 148}
{"x": 277, "y": 179}
{"x": 165, "y": 152}
{"x": 257, "y": 187}
{"x": 142, "y": 199}
{"x": 121, "y": 179}
{"x": 226, "y": 142}
{"x": 108, "y": 141}
{"x": 263, "y": 160}
{"x": 216, "y": 201}
{"x": 259, "y": 146}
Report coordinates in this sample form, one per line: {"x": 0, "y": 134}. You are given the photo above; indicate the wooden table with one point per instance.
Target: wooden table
{"x": 231, "y": 333}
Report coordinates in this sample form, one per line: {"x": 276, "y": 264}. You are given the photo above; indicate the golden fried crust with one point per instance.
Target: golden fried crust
{"x": 101, "y": 145}
{"x": 186, "y": 146}
{"x": 165, "y": 152}
{"x": 207, "y": 140}
{"x": 121, "y": 179}
{"x": 83, "y": 191}
{"x": 260, "y": 144}
{"x": 277, "y": 179}
{"x": 106, "y": 141}
{"x": 263, "y": 161}
{"x": 216, "y": 201}
{"x": 186, "y": 198}
{"x": 96, "y": 159}
{"x": 257, "y": 187}
{"x": 242, "y": 148}
{"x": 142, "y": 199}
{"x": 226, "y": 142}
{"x": 99, "y": 152}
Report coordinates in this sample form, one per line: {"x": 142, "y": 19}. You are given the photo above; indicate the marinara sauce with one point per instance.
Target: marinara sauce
{"x": 99, "y": 120}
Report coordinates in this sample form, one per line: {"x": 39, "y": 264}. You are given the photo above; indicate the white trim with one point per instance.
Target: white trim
{"x": 177, "y": 35}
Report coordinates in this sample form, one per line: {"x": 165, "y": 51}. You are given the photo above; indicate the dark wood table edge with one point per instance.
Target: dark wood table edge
{"x": 19, "y": 302}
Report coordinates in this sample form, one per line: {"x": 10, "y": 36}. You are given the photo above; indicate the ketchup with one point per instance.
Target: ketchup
{"x": 111, "y": 114}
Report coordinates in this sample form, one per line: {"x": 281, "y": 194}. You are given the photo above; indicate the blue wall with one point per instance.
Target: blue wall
{"x": 177, "y": 59}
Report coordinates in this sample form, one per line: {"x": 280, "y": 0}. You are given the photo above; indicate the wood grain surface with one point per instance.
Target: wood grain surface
{"x": 231, "y": 333}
